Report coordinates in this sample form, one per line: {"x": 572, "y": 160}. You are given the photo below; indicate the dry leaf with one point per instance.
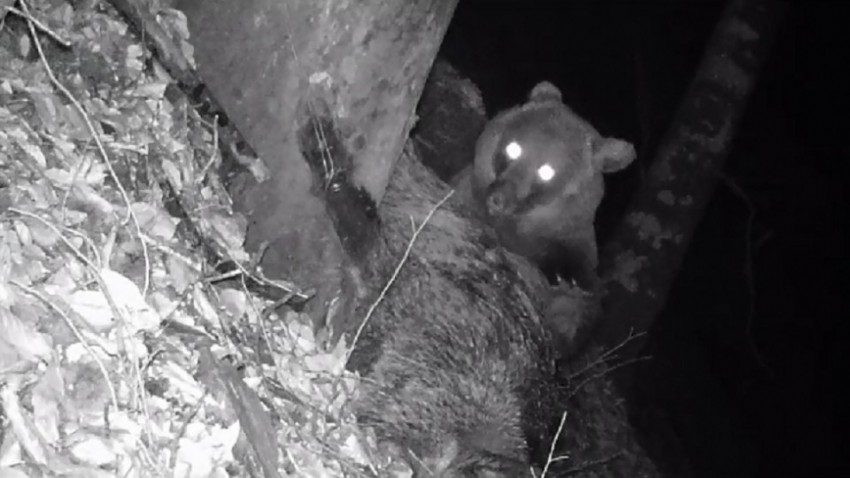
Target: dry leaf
{"x": 155, "y": 221}
{"x": 37, "y": 231}
{"x": 128, "y": 297}
{"x": 230, "y": 231}
{"x": 7, "y": 472}
{"x": 154, "y": 91}
{"x": 235, "y": 302}
{"x": 34, "y": 153}
{"x": 203, "y": 449}
{"x": 45, "y": 106}
{"x": 182, "y": 276}
{"x": 14, "y": 413}
{"x": 30, "y": 344}
{"x": 92, "y": 450}
{"x": 46, "y": 396}
{"x": 172, "y": 172}
{"x": 93, "y": 308}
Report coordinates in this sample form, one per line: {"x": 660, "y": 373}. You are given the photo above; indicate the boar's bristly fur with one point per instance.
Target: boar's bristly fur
{"x": 458, "y": 367}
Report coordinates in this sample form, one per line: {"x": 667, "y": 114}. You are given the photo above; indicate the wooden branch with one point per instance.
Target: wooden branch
{"x": 640, "y": 263}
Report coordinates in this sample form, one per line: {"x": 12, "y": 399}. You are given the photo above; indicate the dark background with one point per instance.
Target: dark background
{"x": 747, "y": 366}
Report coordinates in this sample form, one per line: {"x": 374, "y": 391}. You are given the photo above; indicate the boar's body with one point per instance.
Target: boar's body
{"x": 460, "y": 367}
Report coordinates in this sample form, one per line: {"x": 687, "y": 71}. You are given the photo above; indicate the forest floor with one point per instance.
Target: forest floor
{"x": 120, "y": 353}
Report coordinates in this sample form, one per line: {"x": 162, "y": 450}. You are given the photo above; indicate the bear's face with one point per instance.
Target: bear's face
{"x": 543, "y": 155}
{"x": 537, "y": 176}
{"x": 539, "y": 160}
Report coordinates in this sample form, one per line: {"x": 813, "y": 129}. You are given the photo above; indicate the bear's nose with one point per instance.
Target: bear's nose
{"x": 499, "y": 201}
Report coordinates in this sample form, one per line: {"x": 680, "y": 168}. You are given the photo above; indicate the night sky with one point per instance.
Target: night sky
{"x": 746, "y": 371}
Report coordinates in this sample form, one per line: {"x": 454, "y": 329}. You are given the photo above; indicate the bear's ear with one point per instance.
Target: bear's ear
{"x": 612, "y": 154}
{"x": 544, "y": 92}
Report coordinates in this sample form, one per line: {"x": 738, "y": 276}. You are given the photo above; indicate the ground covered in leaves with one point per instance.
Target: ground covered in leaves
{"x": 120, "y": 354}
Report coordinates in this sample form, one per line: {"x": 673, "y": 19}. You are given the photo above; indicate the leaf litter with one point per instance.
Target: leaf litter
{"x": 118, "y": 356}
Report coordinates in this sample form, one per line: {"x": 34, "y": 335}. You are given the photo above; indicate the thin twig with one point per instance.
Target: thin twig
{"x": 607, "y": 370}
{"x": 607, "y": 354}
{"x": 592, "y": 463}
{"x": 214, "y": 154}
{"x": 39, "y": 25}
{"x": 551, "y": 459}
{"x": 748, "y": 270}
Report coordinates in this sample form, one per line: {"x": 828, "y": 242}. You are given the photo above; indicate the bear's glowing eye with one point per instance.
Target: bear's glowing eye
{"x": 513, "y": 150}
{"x": 545, "y": 173}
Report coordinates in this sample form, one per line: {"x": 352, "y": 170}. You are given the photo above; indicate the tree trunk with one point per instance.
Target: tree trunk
{"x": 640, "y": 262}
{"x": 266, "y": 60}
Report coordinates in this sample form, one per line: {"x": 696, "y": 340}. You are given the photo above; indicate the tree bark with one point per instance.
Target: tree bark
{"x": 366, "y": 61}
{"x": 641, "y": 260}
